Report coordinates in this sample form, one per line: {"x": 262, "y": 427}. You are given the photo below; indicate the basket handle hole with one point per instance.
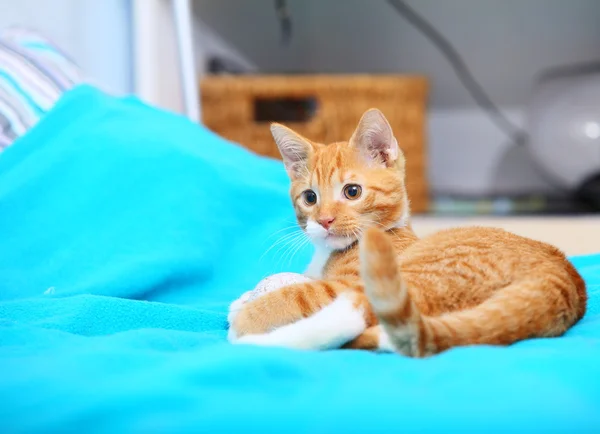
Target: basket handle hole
{"x": 285, "y": 109}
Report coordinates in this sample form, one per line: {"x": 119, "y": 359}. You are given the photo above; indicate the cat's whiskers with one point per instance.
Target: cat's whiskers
{"x": 299, "y": 247}
{"x": 283, "y": 240}
{"x": 291, "y": 248}
{"x": 293, "y": 226}
{"x": 289, "y": 244}
{"x": 356, "y": 232}
{"x": 286, "y": 237}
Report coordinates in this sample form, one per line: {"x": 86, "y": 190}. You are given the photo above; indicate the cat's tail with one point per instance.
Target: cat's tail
{"x": 516, "y": 312}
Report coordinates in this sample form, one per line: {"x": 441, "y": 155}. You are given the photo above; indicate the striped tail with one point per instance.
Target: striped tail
{"x": 517, "y": 311}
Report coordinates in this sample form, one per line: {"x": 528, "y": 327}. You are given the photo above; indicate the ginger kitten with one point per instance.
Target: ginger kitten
{"x": 381, "y": 288}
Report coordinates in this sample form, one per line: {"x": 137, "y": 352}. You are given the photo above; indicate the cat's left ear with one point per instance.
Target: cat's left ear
{"x": 295, "y": 150}
{"x": 375, "y": 140}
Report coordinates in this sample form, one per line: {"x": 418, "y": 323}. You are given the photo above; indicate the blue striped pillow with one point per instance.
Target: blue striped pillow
{"x": 34, "y": 73}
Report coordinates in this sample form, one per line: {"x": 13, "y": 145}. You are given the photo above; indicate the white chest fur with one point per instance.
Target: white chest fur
{"x": 317, "y": 263}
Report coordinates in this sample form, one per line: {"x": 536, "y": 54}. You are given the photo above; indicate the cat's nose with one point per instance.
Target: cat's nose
{"x": 326, "y": 221}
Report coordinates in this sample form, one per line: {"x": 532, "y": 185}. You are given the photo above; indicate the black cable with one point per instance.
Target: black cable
{"x": 285, "y": 21}
{"x": 514, "y": 133}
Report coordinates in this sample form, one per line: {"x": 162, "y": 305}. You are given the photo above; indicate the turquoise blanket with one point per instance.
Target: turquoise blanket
{"x": 125, "y": 232}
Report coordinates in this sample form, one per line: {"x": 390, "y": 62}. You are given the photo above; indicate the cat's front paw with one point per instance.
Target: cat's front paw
{"x": 263, "y": 340}
{"x": 236, "y": 306}
{"x": 234, "y": 309}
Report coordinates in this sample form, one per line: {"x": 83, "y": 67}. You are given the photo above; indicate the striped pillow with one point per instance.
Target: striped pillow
{"x": 34, "y": 73}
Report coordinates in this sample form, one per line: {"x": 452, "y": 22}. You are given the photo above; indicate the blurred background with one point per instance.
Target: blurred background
{"x": 499, "y": 100}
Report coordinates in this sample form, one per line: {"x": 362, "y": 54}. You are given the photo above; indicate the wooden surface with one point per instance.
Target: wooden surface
{"x": 573, "y": 235}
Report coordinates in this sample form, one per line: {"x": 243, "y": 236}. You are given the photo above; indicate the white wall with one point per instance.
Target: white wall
{"x": 470, "y": 156}
{"x": 96, "y": 33}
{"x": 155, "y": 53}
{"x": 505, "y": 42}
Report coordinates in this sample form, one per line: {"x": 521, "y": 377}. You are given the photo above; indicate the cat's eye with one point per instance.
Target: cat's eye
{"x": 310, "y": 197}
{"x": 352, "y": 191}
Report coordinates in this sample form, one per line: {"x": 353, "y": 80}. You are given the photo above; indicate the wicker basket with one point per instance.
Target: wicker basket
{"x": 237, "y": 108}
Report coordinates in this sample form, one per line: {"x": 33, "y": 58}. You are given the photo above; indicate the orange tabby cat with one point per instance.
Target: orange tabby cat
{"x": 396, "y": 292}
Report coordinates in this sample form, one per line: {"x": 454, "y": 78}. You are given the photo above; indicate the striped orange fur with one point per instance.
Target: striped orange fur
{"x": 421, "y": 296}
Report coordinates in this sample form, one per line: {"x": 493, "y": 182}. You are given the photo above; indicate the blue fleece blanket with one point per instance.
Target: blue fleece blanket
{"x": 125, "y": 232}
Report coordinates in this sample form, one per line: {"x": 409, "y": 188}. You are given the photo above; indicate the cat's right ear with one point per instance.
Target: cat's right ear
{"x": 295, "y": 150}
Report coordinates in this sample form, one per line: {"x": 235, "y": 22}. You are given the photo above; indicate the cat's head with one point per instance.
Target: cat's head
{"x": 341, "y": 189}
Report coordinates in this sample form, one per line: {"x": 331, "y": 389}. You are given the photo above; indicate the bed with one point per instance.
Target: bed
{"x": 126, "y": 231}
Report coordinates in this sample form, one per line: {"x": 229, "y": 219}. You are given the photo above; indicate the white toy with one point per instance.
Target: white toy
{"x": 268, "y": 284}
{"x": 275, "y": 282}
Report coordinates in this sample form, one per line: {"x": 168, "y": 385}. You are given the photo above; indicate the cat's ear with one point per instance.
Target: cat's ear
{"x": 374, "y": 139}
{"x": 295, "y": 150}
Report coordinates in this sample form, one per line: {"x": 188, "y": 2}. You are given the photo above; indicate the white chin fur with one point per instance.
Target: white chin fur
{"x": 318, "y": 235}
{"x": 338, "y": 243}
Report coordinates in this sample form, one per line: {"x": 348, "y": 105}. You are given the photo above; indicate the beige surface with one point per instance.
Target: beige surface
{"x": 573, "y": 235}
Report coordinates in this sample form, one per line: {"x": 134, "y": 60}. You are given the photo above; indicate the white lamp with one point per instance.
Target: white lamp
{"x": 564, "y": 130}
